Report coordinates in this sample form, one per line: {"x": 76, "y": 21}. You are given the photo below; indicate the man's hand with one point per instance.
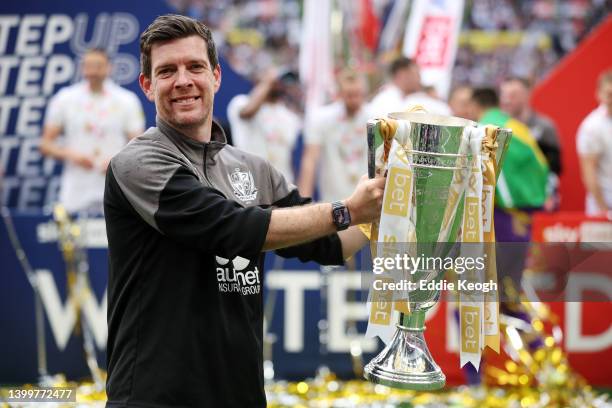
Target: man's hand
{"x": 365, "y": 203}
{"x": 81, "y": 160}
{"x": 258, "y": 94}
{"x": 293, "y": 226}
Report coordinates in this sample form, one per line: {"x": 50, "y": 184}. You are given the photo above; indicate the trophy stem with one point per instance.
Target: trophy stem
{"x": 406, "y": 362}
{"x": 413, "y": 321}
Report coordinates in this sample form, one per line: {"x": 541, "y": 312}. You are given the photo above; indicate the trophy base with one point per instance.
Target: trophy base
{"x": 417, "y": 382}
{"x": 406, "y": 364}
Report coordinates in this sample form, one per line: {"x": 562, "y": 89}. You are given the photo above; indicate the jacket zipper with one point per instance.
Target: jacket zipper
{"x": 210, "y": 183}
{"x": 205, "y": 165}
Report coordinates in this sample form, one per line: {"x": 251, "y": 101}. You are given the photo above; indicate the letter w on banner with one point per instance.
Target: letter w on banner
{"x": 431, "y": 38}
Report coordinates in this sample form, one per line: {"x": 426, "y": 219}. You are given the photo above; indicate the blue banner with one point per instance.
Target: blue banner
{"x": 40, "y": 47}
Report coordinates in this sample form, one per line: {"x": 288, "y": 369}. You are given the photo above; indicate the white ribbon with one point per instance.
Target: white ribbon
{"x": 471, "y": 309}
{"x": 397, "y": 226}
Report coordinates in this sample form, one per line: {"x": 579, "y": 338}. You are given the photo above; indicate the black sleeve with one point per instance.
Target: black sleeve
{"x": 550, "y": 145}
{"x": 201, "y": 217}
{"x": 325, "y": 251}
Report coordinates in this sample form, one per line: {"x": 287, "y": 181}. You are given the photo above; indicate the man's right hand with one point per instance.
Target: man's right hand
{"x": 365, "y": 203}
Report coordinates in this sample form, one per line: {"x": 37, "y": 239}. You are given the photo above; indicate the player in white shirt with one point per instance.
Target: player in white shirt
{"x": 336, "y": 139}
{"x": 262, "y": 124}
{"x": 96, "y": 118}
{"x": 404, "y": 91}
{"x": 594, "y": 145}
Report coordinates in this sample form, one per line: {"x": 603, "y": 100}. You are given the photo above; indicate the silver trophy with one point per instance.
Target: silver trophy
{"x": 440, "y": 158}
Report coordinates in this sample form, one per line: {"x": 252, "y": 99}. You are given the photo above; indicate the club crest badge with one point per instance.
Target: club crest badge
{"x": 243, "y": 185}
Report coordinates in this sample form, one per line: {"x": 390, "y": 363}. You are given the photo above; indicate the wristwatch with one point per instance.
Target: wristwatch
{"x": 340, "y": 215}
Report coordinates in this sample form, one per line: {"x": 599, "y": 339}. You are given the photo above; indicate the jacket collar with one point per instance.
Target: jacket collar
{"x": 193, "y": 149}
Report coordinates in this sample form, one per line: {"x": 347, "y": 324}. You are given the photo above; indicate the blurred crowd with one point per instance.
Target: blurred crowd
{"x": 505, "y": 47}
{"x": 251, "y": 35}
{"x": 335, "y": 155}
{"x": 523, "y": 38}
{"x": 499, "y": 37}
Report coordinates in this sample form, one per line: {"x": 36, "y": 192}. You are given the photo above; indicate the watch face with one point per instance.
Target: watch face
{"x": 341, "y": 217}
{"x": 338, "y": 216}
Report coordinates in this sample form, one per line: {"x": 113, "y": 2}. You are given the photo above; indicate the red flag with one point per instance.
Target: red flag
{"x": 369, "y": 27}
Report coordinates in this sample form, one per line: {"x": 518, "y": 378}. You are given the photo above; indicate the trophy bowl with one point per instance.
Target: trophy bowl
{"x": 440, "y": 160}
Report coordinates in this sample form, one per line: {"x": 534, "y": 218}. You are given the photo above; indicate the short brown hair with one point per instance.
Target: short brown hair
{"x": 604, "y": 78}
{"x": 485, "y": 97}
{"x": 399, "y": 64}
{"x": 171, "y": 27}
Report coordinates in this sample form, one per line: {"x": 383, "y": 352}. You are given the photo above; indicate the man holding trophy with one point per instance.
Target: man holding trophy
{"x": 189, "y": 216}
{"x": 187, "y": 220}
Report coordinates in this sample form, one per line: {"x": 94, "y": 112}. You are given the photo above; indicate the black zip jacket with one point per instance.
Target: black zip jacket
{"x": 186, "y": 223}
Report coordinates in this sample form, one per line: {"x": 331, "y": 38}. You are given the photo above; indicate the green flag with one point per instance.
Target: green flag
{"x": 522, "y": 183}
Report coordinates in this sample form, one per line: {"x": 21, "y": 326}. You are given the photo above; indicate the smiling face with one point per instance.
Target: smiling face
{"x": 183, "y": 85}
